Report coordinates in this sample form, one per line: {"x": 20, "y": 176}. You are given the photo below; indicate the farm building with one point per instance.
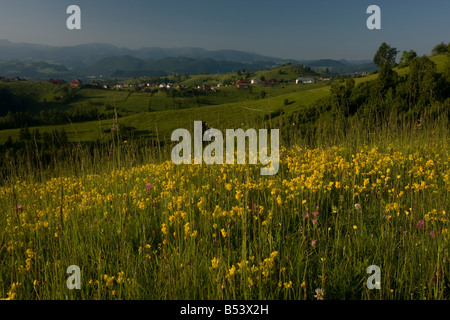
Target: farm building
{"x": 75, "y": 83}
{"x": 255, "y": 81}
{"x": 304, "y": 80}
{"x": 242, "y": 84}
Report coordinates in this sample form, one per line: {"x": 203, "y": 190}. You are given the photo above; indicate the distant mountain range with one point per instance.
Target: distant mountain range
{"x": 128, "y": 66}
{"x": 43, "y": 61}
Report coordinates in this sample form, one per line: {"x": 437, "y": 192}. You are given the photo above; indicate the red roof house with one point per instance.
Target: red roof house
{"x": 242, "y": 84}
{"x": 75, "y": 83}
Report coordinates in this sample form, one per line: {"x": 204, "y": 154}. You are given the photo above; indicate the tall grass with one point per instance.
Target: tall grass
{"x": 344, "y": 198}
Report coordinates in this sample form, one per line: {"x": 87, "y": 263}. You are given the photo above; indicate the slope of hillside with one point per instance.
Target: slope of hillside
{"x": 242, "y": 114}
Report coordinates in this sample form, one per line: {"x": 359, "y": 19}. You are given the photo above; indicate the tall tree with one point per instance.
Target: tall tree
{"x": 440, "y": 48}
{"x": 385, "y": 56}
{"x": 421, "y": 81}
{"x": 407, "y": 57}
{"x": 385, "y": 60}
{"x": 340, "y": 96}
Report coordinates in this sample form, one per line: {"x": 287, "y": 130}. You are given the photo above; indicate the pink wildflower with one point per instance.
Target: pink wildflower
{"x": 420, "y": 224}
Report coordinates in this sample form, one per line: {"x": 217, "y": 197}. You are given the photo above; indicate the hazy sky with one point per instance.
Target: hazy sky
{"x": 282, "y": 28}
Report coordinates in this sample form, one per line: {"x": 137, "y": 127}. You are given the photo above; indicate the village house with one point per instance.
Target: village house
{"x": 75, "y": 83}
{"x": 242, "y": 84}
{"x": 255, "y": 81}
{"x": 304, "y": 80}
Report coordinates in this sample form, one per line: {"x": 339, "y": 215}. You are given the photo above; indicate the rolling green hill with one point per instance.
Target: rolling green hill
{"x": 37, "y": 90}
{"x": 228, "y": 108}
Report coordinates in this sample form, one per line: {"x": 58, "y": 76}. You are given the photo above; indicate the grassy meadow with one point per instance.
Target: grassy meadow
{"x": 141, "y": 227}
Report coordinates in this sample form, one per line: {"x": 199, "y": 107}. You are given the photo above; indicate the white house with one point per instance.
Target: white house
{"x": 255, "y": 81}
{"x": 304, "y": 80}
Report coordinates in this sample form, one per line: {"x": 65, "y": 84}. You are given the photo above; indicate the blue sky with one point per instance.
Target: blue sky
{"x": 284, "y": 28}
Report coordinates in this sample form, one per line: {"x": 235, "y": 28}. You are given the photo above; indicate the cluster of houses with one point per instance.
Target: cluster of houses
{"x": 76, "y": 83}
{"x": 165, "y": 87}
{"x": 243, "y": 84}
{"x": 310, "y": 80}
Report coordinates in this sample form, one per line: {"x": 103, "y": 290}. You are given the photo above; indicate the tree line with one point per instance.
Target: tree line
{"x": 421, "y": 92}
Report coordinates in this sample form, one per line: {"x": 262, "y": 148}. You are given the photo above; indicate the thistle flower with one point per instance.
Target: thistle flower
{"x": 357, "y": 206}
{"x": 19, "y": 207}
{"x": 149, "y": 186}
{"x": 313, "y": 243}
